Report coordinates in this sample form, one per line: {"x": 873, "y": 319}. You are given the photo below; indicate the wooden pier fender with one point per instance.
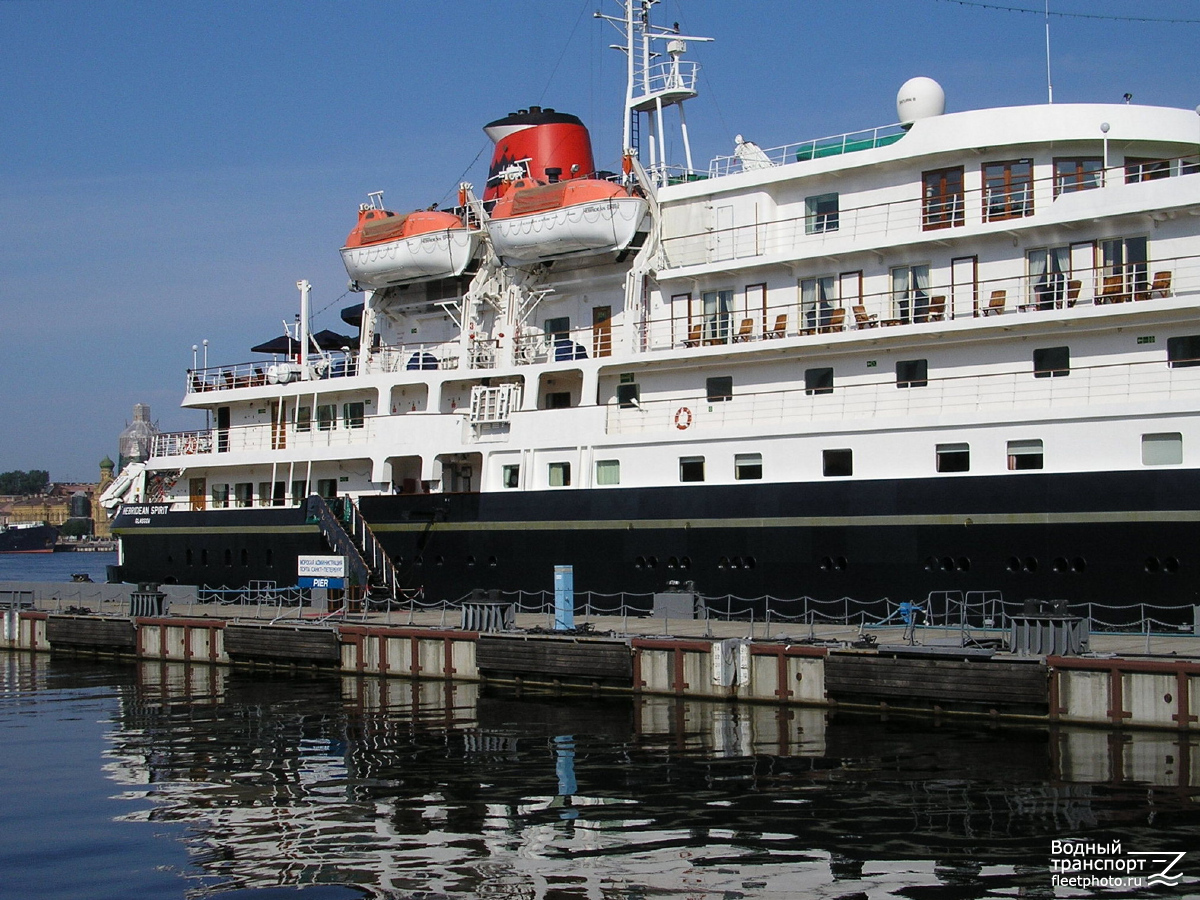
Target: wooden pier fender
{"x": 1178, "y": 681}
{"x": 210, "y": 629}
{"x": 557, "y": 660}
{"x": 282, "y": 645}
{"x": 94, "y": 633}
{"x": 360, "y": 640}
{"x": 784, "y": 654}
{"x": 678, "y": 683}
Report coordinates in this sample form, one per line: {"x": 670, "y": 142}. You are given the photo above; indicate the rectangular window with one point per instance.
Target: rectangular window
{"x": 837, "y": 463}
{"x": 628, "y": 396}
{"x": 1051, "y": 362}
{"x": 264, "y": 493}
{"x": 747, "y": 466}
{"x": 558, "y": 328}
{"x": 821, "y": 213}
{"x": 1023, "y": 455}
{"x": 560, "y": 474}
{"x": 353, "y": 414}
{"x": 954, "y": 457}
{"x": 327, "y": 488}
{"x": 1146, "y": 169}
{"x": 220, "y": 496}
{"x": 1162, "y": 449}
{"x": 942, "y": 198}
{"x": 558, "y": 400}
{"x": 299, "y": 492}
{"x": 1049, "y": 271}
{"x": 691, "y": 468}
{"x": 1123, "y": 269}
{"x": 1077, "y": 174}
{"x": 911, "y": 373}
{"x": 1183, "y": 351}
{"x": 718, "y": 313}
{"x": 510, "y": 476}
{"x": 818, "y": 298}
{"x": 304, "y": 418}
{"x": 1007, "y": 190}
{"x": 719, "y": 388}
{"x": 910, "y": 293}
{"x": 818, "y": 381}
{"x": 327, "y": 417}
{"x": 608, "y": 471}
{"x": 243, "y": 494}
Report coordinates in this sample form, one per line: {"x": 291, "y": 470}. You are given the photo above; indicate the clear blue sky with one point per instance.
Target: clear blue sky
{"x": 168, "y": 171}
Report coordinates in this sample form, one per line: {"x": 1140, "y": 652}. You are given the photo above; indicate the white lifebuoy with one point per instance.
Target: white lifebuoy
{"x": 683, "y": 418}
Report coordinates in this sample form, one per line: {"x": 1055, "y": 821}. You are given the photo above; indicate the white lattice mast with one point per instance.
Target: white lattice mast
{"x": 652, "y": 86}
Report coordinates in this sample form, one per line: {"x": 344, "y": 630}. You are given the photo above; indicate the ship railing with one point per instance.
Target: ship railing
{"x": 835, "y": 145}
{"x": 915, "y": 301}
{"x": 1141, "y": 385}
{"x": 336, "y": 364}
{"x": 982, "y": 210}
{"x": 534, "y": 346}
{"x": 321, "y": 432}
{"x": 413, "y": 357}
{"x": 181, "y": 443}
{"x": 666, "y": 77}
{"x": 974, "y": 614}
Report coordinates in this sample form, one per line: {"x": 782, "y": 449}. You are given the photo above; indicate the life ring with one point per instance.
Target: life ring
{"x": 683, "y": 418}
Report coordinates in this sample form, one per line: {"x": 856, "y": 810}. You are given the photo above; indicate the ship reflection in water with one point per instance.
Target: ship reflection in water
{"x": 430, "y": 790}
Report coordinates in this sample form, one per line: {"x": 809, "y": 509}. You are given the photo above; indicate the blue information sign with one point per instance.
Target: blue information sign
{"x": 312, "y": 582}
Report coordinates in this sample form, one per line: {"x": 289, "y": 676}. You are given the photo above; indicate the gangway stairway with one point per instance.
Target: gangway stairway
{"x": 368, "y": 567}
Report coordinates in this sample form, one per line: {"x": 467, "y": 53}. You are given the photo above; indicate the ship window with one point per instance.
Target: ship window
{"x": 837, "y": 463}
{"x": 245, "y": 557}
{"x": 821, "y": 213}
{"x": 608, "y": 471}
{"x": 1077, "y": 174}
{"x": 1183, "y": 351}
{"x": 304, "y": 418}
{"x": 718, "y": 312}
{"x": 719, "y": 388}
{"x": 1049, "y": 269}
{"x": 510, "y": 476}
{"x": 204, "y": 556}
{"x": 747, "y": 466}
{"x": 1024, "y": 455}
{"x": 910, "y": 293}
{"x": 220, "y": 496}
{"x": 243, "y": 494}
{"x": 691, "y": 468}
{"x": 270, "y": 495}
{"x": 818, "y": 381}
{"x": 560, "y": 474}
{"x": 818, "y": 299}
{"x": 1146, "y": 169}
{"x": 628, "y": 395}
{"x": 228, "y": 557}
{"x": 299, "y": 492}
{"x": 1123, "y": 271}
{"x": 942, "y": 198}
{"x": 558, "y": 400}
{"x": 1050, "y": 362}
{"x": 327, "y": 417}
{"x": 353, "y": 414}
{"x": 1007, "y": 190}
{"x": 558, "y": 328}
{"x": 327, "y": 488}
{"x": 953, "y": 457}
{"x": 187, "y": 557}
{"x": 912, "y": 373}
{"x": 1162, "y": 449}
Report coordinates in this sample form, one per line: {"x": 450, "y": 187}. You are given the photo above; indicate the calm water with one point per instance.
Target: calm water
{"x": 171, "y": 781}
{"x": 54, "y": 566}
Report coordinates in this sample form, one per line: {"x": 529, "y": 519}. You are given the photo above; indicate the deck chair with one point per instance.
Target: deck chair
{"x": 1112, "y": 290}
{"x": 745, "y": 331}
{"x": 996, "y": 303}
{"x": 1073, "y": 288}
{"x": 1160, "y": 287}
{"x": 937, "y": 309}
{"x": 863, "y": 319}
{"x": 780, "y": 328}
{"x": 837, "y": 321}
{"x": 693, "y": 338}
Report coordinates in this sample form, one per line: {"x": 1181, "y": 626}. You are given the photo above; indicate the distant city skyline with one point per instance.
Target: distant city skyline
{"x": 168, "y": 172}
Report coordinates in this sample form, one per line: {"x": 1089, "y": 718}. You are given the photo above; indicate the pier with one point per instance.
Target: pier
{"x": 1117, "y": 681}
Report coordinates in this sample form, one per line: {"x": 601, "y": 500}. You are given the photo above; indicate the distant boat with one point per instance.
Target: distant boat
{"x": 28, "y": 538}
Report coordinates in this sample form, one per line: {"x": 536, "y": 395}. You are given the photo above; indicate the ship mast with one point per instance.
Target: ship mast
{"x": 652, "y": 86}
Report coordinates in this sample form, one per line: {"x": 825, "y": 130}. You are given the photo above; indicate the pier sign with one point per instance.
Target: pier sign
{"x": 321, "y": 571}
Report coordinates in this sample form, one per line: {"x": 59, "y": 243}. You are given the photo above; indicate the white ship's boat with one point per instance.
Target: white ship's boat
{"x": 387, "y": 249}
{"x": 958, "y": 354}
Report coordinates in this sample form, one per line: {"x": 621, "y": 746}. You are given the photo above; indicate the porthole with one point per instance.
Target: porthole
{"x": 735, "y": 563}
{"x": 749, "y": 562}
{"x": 245, "y": 557}
{"x": 418, "y": 560}
{"x": 1060, "y": 564}
{"x": 270, "y": 558}
{"x": 1171, "y": 565}
{"x": 1013, "y": 564}
{"x": 228, "y": 557}
{"x": 685, "y": 562}
{"x": 470, "y": 560}
{"x": 188, "y": 556}
{"x": 440, "y": 561}
{"x": 493, "y": 562}
{"x": 651, "y": 562}
{"x": 947, "y": 564}
{"x": 723, "y": 562}
{"x": 640, "y": 562}
{"x": 672, "y": 562}
{"x": 964, "y": 564}
{"x": 1031, "y": 564}
{"x": 930, "y": 564}
{"x": 1151, "y": 564}
{"x": 839, "y": 564}
{"x": 1078, "y": 564}
{"x": 826, "y": 563}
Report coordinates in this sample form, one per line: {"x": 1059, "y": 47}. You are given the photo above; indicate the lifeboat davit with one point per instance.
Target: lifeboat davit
{"x": 386, "y": 248}
{"x": 580, "y": 217}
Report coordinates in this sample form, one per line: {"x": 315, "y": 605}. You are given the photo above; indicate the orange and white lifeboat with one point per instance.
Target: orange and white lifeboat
{"x": 580, "y": 217}
{"x": 386, "y": 248}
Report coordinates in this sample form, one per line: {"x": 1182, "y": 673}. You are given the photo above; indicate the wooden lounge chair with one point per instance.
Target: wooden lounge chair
{"x": 1160, "y": 287}
{"x": 1073, "y": 288}
{"x": 863, "y": 319}
{"x": 996, "y": 303}
{"x": 836, "y": 322}
{"x": 745, "y": 331}
{"x": 936, "y": 311}
{"x": 780, "y": 328}
{"x": 693, "y": 338}
{"x": 1112, "y": 290}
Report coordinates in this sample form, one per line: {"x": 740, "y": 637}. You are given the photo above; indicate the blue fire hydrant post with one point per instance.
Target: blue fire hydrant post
{"x": 564, "y": 598}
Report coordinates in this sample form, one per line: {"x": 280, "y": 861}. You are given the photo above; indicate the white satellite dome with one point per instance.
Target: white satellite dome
{"x": 919, "y": 98}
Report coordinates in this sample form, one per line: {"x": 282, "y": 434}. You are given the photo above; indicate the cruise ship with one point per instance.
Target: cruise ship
{"x": 959, "y": 353}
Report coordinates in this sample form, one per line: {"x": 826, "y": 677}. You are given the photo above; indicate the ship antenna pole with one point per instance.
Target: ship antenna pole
{"x": 1049, "y": 86}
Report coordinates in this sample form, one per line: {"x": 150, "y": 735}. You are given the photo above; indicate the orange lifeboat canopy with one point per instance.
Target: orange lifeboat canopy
{"x": 527, "y": 197}
{"x": 378, "y": 226}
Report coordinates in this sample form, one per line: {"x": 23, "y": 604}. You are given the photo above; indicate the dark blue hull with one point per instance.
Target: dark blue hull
{"x": 39, "y": 539}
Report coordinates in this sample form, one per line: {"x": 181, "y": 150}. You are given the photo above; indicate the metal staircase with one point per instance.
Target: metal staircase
{"x": 368, "y": 567}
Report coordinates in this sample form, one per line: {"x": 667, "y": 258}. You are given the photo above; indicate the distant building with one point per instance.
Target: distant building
{"x": 134, "y": 443}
